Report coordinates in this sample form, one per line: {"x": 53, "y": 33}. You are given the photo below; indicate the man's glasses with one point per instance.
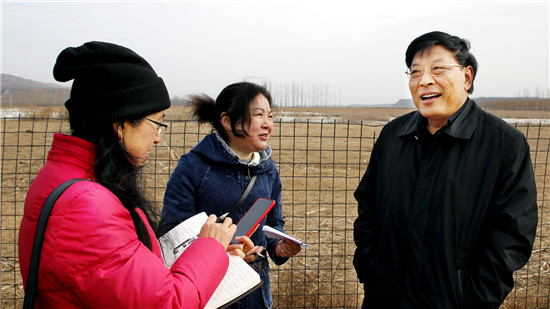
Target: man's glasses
{"x": 436, "y": 70}
{"x": 161, "y": 126}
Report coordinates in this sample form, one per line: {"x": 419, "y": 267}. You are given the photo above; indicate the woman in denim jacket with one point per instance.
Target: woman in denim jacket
{"x": 215, "y": 173}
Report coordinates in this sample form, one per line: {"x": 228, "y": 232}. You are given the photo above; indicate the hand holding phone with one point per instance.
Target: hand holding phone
{"x": 252, "y": 218}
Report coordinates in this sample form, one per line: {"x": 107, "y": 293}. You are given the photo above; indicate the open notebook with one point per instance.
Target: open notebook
{"x": 240, "y": 278}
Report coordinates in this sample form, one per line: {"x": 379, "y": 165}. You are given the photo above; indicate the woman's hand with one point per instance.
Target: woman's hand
{"x": 245, "y": 249}
{"x": 222, "y": 232}
{"x": 287, "y": 248}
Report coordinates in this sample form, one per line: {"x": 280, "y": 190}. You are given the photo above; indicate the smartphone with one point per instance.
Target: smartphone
{"x": 252, "y": 218}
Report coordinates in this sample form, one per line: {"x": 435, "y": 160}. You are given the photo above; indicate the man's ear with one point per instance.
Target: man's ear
{"x": 469, "y": 76}
{"x": 118, "y": 126}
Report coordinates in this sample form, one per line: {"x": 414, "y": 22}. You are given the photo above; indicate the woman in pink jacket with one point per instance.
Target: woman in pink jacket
{"x": 99, "y": 248}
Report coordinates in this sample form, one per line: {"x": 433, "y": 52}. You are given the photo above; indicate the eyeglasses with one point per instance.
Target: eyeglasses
{"x": 436, "y": 70}
{"x": 161, "y": 126}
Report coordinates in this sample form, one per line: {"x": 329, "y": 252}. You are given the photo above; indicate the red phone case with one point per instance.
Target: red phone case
{"x": 252, "y": 218}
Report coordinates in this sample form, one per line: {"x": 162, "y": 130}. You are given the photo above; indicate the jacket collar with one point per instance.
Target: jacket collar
{"x": 216, "y": 150}
{"x": 462, "y": 127}
{"x": 263, "y": 155}
{"x": 75, "y": 151}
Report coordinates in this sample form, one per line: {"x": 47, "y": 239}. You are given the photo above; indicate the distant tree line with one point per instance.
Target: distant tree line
{"x": 299, "y": 94}
{"x": 295, "y": 94}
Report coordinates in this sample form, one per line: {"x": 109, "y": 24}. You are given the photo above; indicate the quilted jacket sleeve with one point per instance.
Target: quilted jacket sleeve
{"x": 98, "y": 254}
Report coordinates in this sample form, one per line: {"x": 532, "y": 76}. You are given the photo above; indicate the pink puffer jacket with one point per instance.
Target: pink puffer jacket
{"x": 92, "y": 258}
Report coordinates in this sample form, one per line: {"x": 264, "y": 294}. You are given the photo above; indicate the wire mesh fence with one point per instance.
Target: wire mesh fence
{"x": 320, "y": 164}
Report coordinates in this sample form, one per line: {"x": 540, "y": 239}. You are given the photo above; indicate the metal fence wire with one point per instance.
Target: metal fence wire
{"x": 320, "y": 164}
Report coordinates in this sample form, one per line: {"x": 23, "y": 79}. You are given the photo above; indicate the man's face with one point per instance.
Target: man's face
{"x": 438, "y": 98}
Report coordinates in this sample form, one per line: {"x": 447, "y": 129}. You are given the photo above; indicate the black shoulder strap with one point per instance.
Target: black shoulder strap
{"x": 243, "y": 197}
{"x": 32, "y": 277}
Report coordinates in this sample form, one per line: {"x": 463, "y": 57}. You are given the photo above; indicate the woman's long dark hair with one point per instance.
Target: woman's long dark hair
{"x": 114, "y": 170}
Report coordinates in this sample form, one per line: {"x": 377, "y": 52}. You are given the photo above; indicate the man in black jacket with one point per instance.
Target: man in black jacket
{"x": 447, "y": 206}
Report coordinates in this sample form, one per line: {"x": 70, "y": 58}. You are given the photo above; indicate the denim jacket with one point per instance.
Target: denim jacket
{"x": 210, "y": 178}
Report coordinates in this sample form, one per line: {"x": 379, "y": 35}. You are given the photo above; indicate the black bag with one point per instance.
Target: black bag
{"x": 32, "y": 276}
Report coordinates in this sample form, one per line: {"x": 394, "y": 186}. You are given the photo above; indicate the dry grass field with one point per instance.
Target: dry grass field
{"x": 302, "y": 114}
{"x": 321, "y": 155}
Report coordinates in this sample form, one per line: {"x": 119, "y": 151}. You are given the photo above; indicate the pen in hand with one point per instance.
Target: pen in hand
{"x": 259, "y": 254}
{"x": 221, "y": 218}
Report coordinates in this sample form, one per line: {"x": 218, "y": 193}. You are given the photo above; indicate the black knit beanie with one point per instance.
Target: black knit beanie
{"x": 111, "y": 82}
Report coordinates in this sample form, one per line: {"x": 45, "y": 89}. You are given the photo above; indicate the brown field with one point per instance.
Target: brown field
{"x": 320, "y": 163}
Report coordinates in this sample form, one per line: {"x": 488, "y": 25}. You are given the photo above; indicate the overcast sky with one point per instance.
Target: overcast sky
{"x": 355, "y": 48}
